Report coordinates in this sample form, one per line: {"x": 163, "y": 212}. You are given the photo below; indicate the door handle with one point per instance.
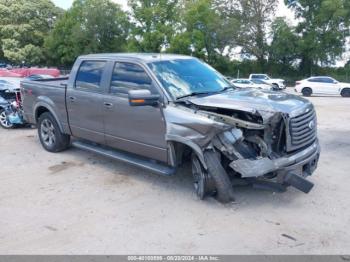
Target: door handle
{"x": 108, "y": 105}
{"x": 72, "y": 98}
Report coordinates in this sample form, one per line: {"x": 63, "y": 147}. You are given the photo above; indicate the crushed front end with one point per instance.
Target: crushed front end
{"x": 273, "y": 150}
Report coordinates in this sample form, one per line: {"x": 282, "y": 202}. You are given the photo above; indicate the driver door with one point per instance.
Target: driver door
{"x": 136, "y": 129}
{"x": 331, "y": 86}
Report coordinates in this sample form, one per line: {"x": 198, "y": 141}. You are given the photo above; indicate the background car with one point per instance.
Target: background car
{"x": 277, "y": 83}
{"x": 242, "y": 83}
{"x": 10, "y": 83}
{"x": 9, "y": 93}
{"x": 246, "y": 83}
{"x": 261, "y": 84}
{"x": 323, "y": 85}
{"x": 39, "y": 76}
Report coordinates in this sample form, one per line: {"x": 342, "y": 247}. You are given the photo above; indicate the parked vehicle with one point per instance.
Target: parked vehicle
{"x": 323, "y": 85}
{"x": 156, "y": 111}
{"x": 278, "y": 84}
{"x": 37, "y": 77}
{"x": 242, "y": 83}
{"x": 11, "y": 113}
{"x": 246, "y": 83}
{"x": 262, "y": 82}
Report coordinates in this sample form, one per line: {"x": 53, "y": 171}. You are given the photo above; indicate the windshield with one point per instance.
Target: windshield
{"x": 185, "y": 77}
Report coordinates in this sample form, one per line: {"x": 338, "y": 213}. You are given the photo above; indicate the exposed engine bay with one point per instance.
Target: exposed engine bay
{"x": 262, "y": 146}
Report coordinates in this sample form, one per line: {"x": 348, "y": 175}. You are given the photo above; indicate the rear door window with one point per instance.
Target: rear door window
{"x": 316, "y": 80}
{"x": 89, "y": 75}
{"x": 327, "y": 80}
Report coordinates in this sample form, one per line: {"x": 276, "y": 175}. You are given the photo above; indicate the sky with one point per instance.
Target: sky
{"x": 67, "y": 3}
{"x": 282, "y": 10}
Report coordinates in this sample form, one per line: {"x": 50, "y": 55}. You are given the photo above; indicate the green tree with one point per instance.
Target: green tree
{"x": 284, "y": 45}
{"x": 89, "y": 26}
{"x": 154, "y": 24}
{"x": 207, "y": 30}
{"x": 323, "y": 27}
{"x": 23, "y": 27}
{"x": 255, "y": 20}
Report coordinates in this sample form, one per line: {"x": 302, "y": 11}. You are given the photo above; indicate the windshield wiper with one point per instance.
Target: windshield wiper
{"x": 194, "y": 94}
{"x": 227, "y": 88}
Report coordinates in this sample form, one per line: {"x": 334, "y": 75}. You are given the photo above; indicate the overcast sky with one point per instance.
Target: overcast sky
{"x": 281, "y": 11}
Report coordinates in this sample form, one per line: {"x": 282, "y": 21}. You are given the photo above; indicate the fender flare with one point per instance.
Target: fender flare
{"x": 50, "y": 109}
{"x": 196, "y": 149}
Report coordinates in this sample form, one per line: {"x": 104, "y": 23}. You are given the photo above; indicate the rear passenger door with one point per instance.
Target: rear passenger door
{"x": 85, "y": 101}
{"x": 136, "y": 129}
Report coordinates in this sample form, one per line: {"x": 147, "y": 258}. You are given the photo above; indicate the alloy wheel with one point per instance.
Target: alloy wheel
{"x": 4, "y": 120}
{"x": 47, "y": 132}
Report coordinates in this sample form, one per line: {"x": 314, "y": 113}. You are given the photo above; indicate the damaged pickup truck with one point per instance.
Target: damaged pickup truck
{"x": 156, "y": 111}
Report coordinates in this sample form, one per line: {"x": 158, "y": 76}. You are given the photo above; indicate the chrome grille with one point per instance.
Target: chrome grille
{"x": 302, "y": 130}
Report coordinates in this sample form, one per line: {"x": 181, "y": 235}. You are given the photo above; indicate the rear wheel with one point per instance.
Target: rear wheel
{"x": 307, "y": 91}
{"x": 275, "y": 87}
{"x": 50, "y": 135}
{"x": 4, "y": 122}
{"x": 345, "y": 92}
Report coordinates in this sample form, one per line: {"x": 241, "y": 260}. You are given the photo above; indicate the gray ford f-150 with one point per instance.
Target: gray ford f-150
{"x": 157, "y": 110}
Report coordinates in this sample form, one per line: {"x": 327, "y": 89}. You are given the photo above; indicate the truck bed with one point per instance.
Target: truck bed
{"x": 51, "y": 82}
{"x": 54, "y": 92}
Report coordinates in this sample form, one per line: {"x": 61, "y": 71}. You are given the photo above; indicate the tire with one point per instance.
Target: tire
{"x": 203, "y": 184}
{"x": 222, "y": 182}
{"x": 4, "y": 123}
{"x": 307, "y": 91}
{"x": 275, "y": 87}
{"x": 345, "y": 92}
{"x": 50, "y": 135}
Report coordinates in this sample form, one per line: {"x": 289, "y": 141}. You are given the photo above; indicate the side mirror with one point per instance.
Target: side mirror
{"x": 143, "y": 97}
{"x": 335, "y": 82}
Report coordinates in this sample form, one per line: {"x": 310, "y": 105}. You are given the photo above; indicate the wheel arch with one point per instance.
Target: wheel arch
{"x": 344, "y": 88}
{"x": 347, "y": 88}
{"x": 175, "y": 142}
{"x": 41, "y": 108}
{"x": 306, "y": 87}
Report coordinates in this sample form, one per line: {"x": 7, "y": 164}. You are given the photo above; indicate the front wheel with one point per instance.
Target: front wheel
{"x": 203, "y": 184}
{"x": 211, "y": 182}
{"x": 345, "y": 92}
{"x": 50, "y": 135}
{"x": 4, "y": 122}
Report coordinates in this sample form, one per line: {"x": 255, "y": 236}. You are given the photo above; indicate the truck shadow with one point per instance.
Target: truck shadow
{"x": 179, "y": 185}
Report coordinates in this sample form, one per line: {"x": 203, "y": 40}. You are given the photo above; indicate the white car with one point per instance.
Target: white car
{"x": 277, "y": 83}
{"x": 246, "y": 83}
{"x": 323, "y": 85}
{"x": 261, "y": 84}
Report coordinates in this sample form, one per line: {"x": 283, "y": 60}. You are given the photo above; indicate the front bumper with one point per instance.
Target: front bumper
{"x": 281, "y": 170}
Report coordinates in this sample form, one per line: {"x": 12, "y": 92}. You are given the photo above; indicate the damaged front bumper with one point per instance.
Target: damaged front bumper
{"x": 286, "y": 171}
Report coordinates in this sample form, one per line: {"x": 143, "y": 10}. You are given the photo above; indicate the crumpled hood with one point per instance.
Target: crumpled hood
{"x": 253, "y": 100}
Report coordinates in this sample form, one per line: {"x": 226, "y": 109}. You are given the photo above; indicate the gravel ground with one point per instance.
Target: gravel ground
{"x": 79, "y": 203}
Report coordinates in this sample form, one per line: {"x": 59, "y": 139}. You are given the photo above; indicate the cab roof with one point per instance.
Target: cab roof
{"x": 143, "y": 57}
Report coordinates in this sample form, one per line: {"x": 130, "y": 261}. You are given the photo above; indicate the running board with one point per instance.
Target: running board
{"x": 127, "y": 158}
